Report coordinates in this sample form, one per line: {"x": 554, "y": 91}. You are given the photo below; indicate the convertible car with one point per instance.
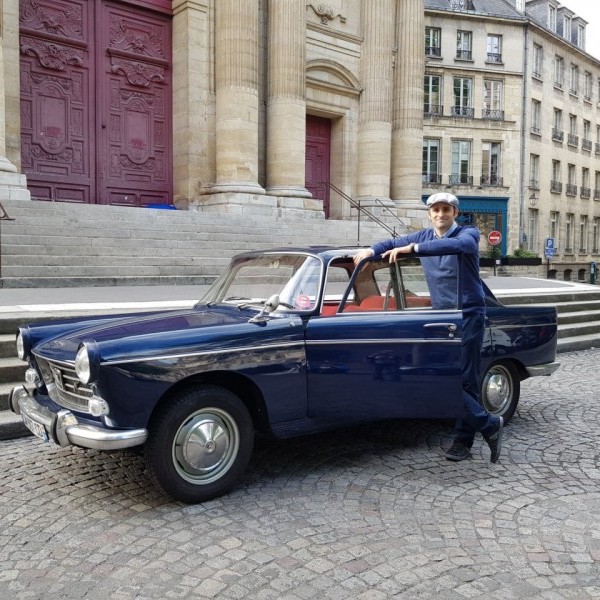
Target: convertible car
{"x": 286, "y": 342}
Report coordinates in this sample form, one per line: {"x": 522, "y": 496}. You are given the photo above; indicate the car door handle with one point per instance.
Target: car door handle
{"x": 448, "y": 326}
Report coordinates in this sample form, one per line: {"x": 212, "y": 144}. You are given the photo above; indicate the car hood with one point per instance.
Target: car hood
{"x": 166, "y": 332}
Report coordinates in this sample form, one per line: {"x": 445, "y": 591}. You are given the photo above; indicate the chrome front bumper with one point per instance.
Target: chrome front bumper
{"x": 64, "y": 429}
{"x": 545, "y": 369}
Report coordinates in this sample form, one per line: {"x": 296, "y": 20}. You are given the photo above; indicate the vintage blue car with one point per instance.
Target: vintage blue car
{"x": 286, "y": 342}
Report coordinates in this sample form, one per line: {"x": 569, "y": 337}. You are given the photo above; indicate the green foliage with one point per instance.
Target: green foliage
{"x": 524, "y": 253}
{"x": 494, "y": 252}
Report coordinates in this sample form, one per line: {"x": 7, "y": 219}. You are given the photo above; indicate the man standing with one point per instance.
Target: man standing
{"x": 441, "y": 272}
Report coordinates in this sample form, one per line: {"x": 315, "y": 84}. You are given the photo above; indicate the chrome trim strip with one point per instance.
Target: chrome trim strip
{"x": 386, "y": 341}
{"x": 277, "y": 346}
{"x": 541, "y": 370}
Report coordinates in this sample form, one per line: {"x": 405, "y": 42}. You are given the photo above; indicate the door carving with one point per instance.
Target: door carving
{"x": 96, "y": 102}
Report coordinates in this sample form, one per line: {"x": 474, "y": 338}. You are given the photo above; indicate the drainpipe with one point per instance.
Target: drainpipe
{"x": 525, "y": 107}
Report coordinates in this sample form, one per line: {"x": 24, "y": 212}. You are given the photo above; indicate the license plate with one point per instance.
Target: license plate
{"x": 35, "y": 428}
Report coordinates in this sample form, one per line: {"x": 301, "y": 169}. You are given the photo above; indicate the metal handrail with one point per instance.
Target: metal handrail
{"x": 3, "y": 217}
{"x": 361, "y": 209}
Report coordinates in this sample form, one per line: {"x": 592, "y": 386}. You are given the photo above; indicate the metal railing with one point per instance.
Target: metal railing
{"x": 3, "y": 217}
{"x": 366, "y": 212}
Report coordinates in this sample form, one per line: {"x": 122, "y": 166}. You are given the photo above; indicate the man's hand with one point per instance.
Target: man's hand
{"x": 367, "y": 253}
{"x": 395, "y": 252}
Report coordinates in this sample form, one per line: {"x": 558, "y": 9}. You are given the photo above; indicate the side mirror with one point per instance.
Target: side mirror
{"x": 270, "y": 305}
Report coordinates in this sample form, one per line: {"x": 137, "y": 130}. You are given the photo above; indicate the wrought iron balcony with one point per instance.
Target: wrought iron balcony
{"x": 534, "y": 184}
{"x": 462, "y": 111}
{"x": 585, "y": 192}
{"x": 558, "y": 135}
{"x": 433, "y": 51}
{"x": 574, "y": 92}
{"x": 464, "y": 54}
{"x": 535, "y": 130}
{"x": 434, "y": 178}
{"x": 536, "y": 74}
{"x": 573, "y": 140}
{"x": 571, "y": 189}
{"x": 460, "y": 179}
{"x": 586, "y": 145}
{"x": 490, "y": 179}
{"x": 492, "y": 115}
{"x": 494, "y": 57}
{"x": 558, "y": 84}
{"x": 556, "y": 187}
{"x": 433, "y": 110}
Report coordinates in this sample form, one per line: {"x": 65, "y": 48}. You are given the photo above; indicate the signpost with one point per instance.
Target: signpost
{"x": 549, "y": 251}
{"x": 494, "y": 238}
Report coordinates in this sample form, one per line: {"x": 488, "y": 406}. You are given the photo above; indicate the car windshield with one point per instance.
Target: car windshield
{"x": 252, "y": 280}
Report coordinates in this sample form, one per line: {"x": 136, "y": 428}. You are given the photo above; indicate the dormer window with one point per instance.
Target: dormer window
{"x": 552, "y": 18}
{"x": 567, "y": 27}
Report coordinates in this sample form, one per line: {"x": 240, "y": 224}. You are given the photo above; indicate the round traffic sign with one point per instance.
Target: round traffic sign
{"x": 494, "y": 238}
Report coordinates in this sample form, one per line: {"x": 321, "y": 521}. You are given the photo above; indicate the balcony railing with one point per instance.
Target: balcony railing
{"x": 464, "y": 54}
{"x": 558, "y": 135}
{"x": 433, "y": 110}
{"x": 492, "y": 115}
{"x": 433, "y": 51}
{"x": 585, "y": 192}
{"x": 571, "y": 189}
{"x": 586, "y": 145}
{"x": 556, "y": 187}
{"x": 573, "y": 140}
{"x": 490, "y": 179}
{"x": 535, "y": 130}
{"x": 462, "y": 111}
{"x": 435, "y": 178}
{"x": 574, "y": 92}
{"x": 537, "y": 74}
{"x": 460, "y": 179}
{"x": 558, "y": 84}
{"x": 587, "y": 97}
{"x": 494, "y": 57}
{"x": 534, "y": 184}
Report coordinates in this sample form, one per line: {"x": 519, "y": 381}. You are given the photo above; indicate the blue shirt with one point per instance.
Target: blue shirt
{"x": 441, "y": 272}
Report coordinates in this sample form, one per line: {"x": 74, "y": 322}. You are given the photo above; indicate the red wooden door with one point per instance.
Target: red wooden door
{"x": 318, "y": 149}
{"x": 96, "y": 101}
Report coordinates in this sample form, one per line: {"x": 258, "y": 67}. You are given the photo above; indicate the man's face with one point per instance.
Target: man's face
{"x": 442, "y": 216}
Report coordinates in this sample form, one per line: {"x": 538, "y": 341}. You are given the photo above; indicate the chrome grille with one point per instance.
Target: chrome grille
{"x": 64, "y": 386}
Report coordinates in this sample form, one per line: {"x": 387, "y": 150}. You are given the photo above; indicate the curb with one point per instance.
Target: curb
{"x": 11, "y": 426}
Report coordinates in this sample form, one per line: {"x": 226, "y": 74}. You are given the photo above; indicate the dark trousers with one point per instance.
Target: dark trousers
{"x": 474, "y": 417}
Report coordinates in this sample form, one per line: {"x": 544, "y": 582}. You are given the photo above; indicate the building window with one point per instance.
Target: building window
{"x": 492, "y": 100}
{"x": 552, "y": 18}
{"x": 538, "y": 60}
{"x": 597, "y": 185}
{"x": 567, "y": 27}
{"x": 587, "y": 87}
{"x": 536, "y": 117}
{"x": 555, "y": 227}
{"x": 596, "y": 235}
{"x": 464, "y": 45}
{"x": 571, "y": 181}
{"x": 463, "y": 90}
{"x": 559, "y": 71}
{"x": 585, "y": 191}
{"x": 431, "y": 161}
{"x": 569, "y": 233}
{"x": 583, "y": 234}
{"x": 534, "y": 171}
{"x": 586, "y": 142}
{"x": 432, "y": 95}
{"x": 433, "y": 41}
{"x": 532, "y": 229}
{"x": 490, "y": 164}
{"x": 557, "y": 130}
{"x": 556, "y": 181}
{"x": 581, "y": 36}
{"x": 461, "y": 163}
{"x": 573, "y": 138}
{"x": 494, "y": 48}
{"x": 574, "y": 80}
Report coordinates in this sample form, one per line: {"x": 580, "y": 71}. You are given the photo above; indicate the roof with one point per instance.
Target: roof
{"x": 495, "y": 8}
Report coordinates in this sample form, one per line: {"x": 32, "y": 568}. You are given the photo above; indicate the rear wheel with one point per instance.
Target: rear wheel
{"x": 200, "y": 443}
{"x": 500, "y": 390}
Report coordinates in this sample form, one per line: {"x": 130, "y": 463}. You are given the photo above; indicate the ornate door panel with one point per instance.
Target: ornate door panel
{"x": 57, "y": 130}
{"x": 135, "y": 135}
{"x": 96, "y": 101}
{"x": 318, "y": 144}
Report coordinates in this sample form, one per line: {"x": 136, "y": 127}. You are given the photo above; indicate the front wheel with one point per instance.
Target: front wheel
{"x": 199, "y": 444}
{"x": 500, "y": 390}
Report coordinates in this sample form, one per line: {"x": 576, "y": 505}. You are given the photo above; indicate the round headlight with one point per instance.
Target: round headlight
{"x": 82, "y": 365}
{"x": 20, "y": 346}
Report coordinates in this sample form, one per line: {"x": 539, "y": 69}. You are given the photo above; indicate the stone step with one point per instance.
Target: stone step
{"x": 579, "y": 329}
{"x": 579, "y": 316}
{"x": 12, "y": 369}
{"x": 7, "y": 345}
{"x": 213, "y": 263}
{"x": 104, "y": 281}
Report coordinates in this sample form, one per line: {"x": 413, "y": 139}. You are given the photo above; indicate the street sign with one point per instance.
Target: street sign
{"x": 549, "y": 252}
{"x": 550, "y": 243}
{"x": 494, "y": 238}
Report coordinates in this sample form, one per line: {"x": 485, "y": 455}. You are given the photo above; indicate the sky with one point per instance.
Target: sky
{"x": 588, "y": 10}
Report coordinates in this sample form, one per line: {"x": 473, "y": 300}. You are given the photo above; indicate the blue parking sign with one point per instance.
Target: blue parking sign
{"x": 549, "y": 243}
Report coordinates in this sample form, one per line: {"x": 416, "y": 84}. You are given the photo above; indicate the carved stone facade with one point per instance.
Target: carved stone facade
{"x": 245, "y": 77}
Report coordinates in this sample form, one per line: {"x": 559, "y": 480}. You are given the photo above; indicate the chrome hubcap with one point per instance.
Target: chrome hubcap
{"x": 498, "y": 389}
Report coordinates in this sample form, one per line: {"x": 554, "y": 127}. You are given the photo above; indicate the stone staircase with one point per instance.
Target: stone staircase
{"x": 90, "y": 245}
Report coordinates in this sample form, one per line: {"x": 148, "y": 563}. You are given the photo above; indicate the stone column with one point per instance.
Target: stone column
{"x": 12, "y": 184}
{"x": 407, "y": 122}
{"x": 286, "y": 104}
{"x": 374, "y": 121}
{"x": 237, "y": 97}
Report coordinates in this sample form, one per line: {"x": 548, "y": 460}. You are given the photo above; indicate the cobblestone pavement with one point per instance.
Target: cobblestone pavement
{"x": 368, "y": 513}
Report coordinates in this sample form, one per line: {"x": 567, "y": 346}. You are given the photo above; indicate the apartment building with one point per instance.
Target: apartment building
{"x": 512, "y": 125}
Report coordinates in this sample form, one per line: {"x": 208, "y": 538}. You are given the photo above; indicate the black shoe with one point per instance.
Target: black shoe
{"x": 458, "y": 451}
{"x": 494, "y": 441}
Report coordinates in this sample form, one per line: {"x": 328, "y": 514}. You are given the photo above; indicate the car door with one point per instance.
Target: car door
{"x": 387, "y": 354}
